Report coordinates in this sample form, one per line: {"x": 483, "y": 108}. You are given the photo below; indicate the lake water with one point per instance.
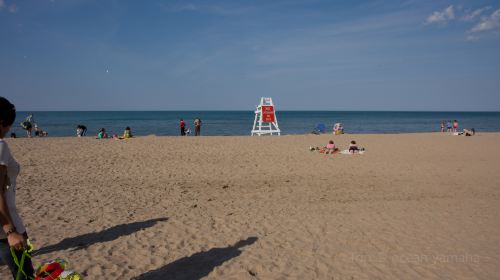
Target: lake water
{"x": 240, "y": 122}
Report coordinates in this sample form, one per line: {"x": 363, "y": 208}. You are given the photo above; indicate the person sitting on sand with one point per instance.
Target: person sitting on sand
{"x": 330, "y": 147}
{"x": 102, "y": 134}
{"x": 127, "y": 133}
{"x": 353, "y": 147}
{"x": 338, "y": 129}
{"x": 469, "y": 132}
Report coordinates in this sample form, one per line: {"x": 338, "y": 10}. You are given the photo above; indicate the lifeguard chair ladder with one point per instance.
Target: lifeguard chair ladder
{"x": 265, "y": 118}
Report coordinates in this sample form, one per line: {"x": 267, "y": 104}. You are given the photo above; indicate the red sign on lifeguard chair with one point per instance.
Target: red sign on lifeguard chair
{"x": 268, "y": 113}
{"x": 265, "y": 122}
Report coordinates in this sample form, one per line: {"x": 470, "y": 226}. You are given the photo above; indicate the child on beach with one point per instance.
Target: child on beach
{"x": 353, "y": 147}
{"x": 330, "y": 147}
{"x": 102, "y": 134}
{"x": 442, "y": 126}
{"x": 455, "y": 126}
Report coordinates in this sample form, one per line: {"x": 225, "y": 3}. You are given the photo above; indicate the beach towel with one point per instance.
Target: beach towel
{"x": 346, "y": 152}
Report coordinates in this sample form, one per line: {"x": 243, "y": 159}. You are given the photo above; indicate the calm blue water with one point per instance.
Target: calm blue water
{"x": 240, "y": 122}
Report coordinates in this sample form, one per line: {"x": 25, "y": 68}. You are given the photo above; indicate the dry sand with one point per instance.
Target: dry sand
{"x": 414, "y": 206}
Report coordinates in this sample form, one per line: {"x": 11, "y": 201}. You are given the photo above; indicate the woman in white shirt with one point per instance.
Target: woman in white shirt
{"x": 12, "y": 233}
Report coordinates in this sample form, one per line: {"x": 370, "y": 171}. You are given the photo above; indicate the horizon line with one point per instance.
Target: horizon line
{"x": 381, "y": 111}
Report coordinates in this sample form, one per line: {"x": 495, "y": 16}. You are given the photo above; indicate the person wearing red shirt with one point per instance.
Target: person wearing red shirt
{"x": 183, "y": 127}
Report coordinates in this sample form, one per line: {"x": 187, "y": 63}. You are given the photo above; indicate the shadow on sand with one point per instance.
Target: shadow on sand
{"x": 197, "y": 265}
{"x": 86, "y": 240}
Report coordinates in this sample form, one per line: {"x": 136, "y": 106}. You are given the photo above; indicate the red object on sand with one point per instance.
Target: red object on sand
{"x": 268, "y": 113}
{"x": 50, "y": 271}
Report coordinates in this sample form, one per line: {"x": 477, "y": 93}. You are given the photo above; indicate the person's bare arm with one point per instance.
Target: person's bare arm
{"x": 15, "y": 239}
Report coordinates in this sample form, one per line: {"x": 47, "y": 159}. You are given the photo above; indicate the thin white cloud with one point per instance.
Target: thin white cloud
{"x": 488, "y": 23}
{"x": 2, "y": 4}
{"x": 207, "y": 8}
{"x": 183, "y": 8}
{"x": 441, "y": 17}
{"x": 470, "y": 16}
{"x": 471, "y": 37}
{"x": 12, "y": 8}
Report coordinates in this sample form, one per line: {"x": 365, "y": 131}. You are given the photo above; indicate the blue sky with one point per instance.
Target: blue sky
{"x": 224, "y": 55}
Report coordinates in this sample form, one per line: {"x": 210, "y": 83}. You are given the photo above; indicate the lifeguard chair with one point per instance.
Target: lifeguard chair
{"x": 265, "y": 118}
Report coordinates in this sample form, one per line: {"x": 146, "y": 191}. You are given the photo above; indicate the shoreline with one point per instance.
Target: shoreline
{"x": 266, "y": 136}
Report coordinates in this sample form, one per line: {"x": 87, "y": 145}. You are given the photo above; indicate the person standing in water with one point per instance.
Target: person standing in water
{"x": 455, "y": 126}
{"x": 197, "y": 126}
{"x": 182, "y": 125}
{"x": 27, "y": 124}
{"x": 12, "y": 233}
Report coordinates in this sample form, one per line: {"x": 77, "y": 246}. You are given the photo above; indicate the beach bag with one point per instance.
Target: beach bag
{"x": 51, "y": 270}
{"x": 56, "y": 270}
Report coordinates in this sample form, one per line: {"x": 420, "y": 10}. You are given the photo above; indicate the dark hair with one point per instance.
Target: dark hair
{"x": 7, "y": 112}
{"x": 353, "y": 142}
{"x": 127, "y": 128}
{"x": 331, "y": 142}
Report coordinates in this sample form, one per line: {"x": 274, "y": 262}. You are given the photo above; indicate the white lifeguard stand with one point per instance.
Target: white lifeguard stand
{"x": 265, "y": 118}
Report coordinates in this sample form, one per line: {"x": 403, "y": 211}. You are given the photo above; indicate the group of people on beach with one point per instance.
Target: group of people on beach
{"x": 452, "y": 127}
{"x": 127, "y": 133}
{"x": 29, "y": 125}
{"x": 449, "y": 126}
{"x": 331, "y": 148}
{"x": 186, "y": 131}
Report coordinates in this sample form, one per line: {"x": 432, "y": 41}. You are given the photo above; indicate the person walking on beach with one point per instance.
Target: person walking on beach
{"x": 197, "y": 126}
{"x": 12, "y": 233}
{"x": 442, "y": 126}
{"x": 455, "y": 126}
{"x": 182, "y": 125}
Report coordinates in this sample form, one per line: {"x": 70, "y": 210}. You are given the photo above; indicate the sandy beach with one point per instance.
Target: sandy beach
{"x": 414, "y": 206}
